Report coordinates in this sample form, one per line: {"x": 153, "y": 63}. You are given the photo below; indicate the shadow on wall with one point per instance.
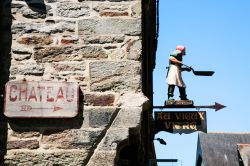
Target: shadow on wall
{"x": 37, "y": 6}
{"x": 5, "y": 49}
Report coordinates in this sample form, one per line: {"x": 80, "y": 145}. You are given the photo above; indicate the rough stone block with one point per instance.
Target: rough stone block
{"x": 115, "y": 76}
{"x": 103, "y": 39}
{"x": 112, "y": 9}
{"x": 20, "y": 57}
{"x": 48, "y": 158}
{"x": 97, "y": 117}
{"x": 68, "y": 53}
{"x": 69, "y": 66}
{"x": 23, "y": 144}
{"x": 27, "y": 28}
{"x": 72, "y": 10}
{"x": 102, "y": 158}
{"x": 113, "y": 14}
{"x": 70, "y": 139}
{"x": 21, "y": 53}
{"x": 128, "y": 118}
{"x": 32, "y": 10}
{"x": 131, "y": 99}
{"x": 136, "y": 10}
{"x": 101, "y": 7}
{"x": 116, "y": 54}
{"x": 27, "y": 69}
{"x": 25, "y": 134}
{"x": 67, "y": 41}
{"x": 21, "y": 50}
{"x": 99, "y": 99}
{"x": 68, "y": 69}
{"x": 134, "y": 49}
{"x": 35, "y": 40}
{"x": 112, "y": 26}
{"x": 112, "y": 139}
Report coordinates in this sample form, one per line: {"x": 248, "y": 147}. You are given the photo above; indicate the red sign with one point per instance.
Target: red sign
{"x": 43, "y": 99}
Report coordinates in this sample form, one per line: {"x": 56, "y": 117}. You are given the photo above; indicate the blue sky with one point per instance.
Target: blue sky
{"x": 216, "y": 34}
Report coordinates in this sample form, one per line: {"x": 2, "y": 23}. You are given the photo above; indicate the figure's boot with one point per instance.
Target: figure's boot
{"x": 171, "y": 92}
{"x": 183, "y": 94}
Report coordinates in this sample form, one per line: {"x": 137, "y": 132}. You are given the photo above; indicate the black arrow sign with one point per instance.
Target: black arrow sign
{"x": 216, "y": 106}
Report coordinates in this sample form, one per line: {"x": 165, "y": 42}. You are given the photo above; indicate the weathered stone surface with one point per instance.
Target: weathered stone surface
{"x": 103, "y": 39}
{"x": 23, "y": 144}
{"x": 33, "y": 11}
{"x": 112, "y": 26}
{"x": 116, "y": 54}
{"x": 112, "y": 138}
{"x": 40, "y": 11}
{"x": 56, "y": 54}
{"x": 97, "y": 117}
{"x": 128, "y": 118}
{"x": 70, "y": 139}
{"x": 73, "y": 10}
{"x": 103, "y": 158}
{"x": 25, "y": 134}
{"x": 35, "y": 40}
{"x": 21, "y": 50}
{"x": 112, "y": 9}
{"x": 27, "y": 69}
{"x": 26, "y": 28}
{"x": 99, "y": 99}
{"x": 115, "y": 75}
{"x": 69, "y": 68}
{"x": 48, "y": 158}
{"x": 131, "y": 99}
{"x": 82, "y": 81}
{"x": 67, "y": 41}
{"x": 136, "y": 10}
{"x": 134, "y": 49}
{"x": 113, "y": 14}
{"x": 21, "y": 53}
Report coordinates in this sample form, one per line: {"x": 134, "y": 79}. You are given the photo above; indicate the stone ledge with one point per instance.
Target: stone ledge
{"x": 132, "y": 99}
{"x": 103, "y": 158}
{"x": 129, "y": 117}
{"x": 23, "y": 144}
{"x": 99, "y": 99}
{"x": 39, "y": 158}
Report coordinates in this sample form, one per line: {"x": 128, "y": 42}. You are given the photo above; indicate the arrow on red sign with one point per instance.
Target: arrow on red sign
{"x": 57, "y": 108}
{"x": 28, "y": 108}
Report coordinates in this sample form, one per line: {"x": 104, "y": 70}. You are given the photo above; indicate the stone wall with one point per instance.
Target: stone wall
{"x": 97, "y": 44}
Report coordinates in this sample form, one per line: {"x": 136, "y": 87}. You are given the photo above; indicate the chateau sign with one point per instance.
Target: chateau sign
{"x": 180, "y": 122}
{"x": 45, "y": 99}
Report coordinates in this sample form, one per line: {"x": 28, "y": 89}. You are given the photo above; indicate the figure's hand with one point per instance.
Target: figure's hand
{"x": 189, "y": 68}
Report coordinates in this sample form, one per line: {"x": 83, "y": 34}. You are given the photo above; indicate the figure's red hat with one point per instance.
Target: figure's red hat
{"x": 181, "y": 48}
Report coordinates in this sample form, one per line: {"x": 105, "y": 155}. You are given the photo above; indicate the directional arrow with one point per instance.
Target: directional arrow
{"x": 57, "y": 108}
{"x": 28, "y": 108}
{"x": 216, "y": 106}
